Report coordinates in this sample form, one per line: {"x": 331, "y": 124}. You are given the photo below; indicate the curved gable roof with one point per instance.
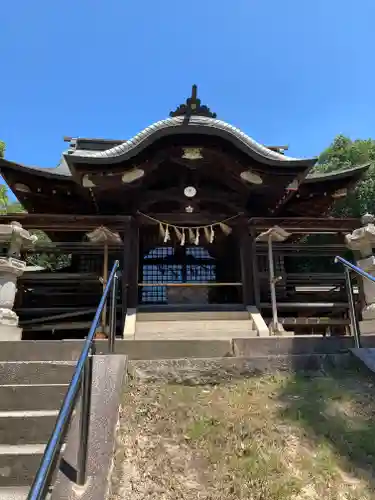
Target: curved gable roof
{"x": 187, "y": 125}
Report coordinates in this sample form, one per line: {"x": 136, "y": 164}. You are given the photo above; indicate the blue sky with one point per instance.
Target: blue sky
{"x": 294, "y": 72}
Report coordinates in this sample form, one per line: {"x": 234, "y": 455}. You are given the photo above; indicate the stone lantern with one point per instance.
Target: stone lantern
{"x": 11, "y": 267}
{"x": 362, "y": 240}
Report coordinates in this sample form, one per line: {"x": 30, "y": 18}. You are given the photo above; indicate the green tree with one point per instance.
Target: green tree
{"x": 345, "y": 153}
{"x": 51, "y": 261}
{"x": 4, "y": 200}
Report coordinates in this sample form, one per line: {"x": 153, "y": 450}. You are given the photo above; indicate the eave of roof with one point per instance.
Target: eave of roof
{"x": 187, "y": 125}
{"x": 60, "y": 172}
{"x": 354, "y": 172}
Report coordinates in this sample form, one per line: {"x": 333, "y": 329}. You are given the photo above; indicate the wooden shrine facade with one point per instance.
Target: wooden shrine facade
{"x": 188, "y": 196}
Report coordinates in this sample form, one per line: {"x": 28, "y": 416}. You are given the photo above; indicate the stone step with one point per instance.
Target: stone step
{"x": 192, "y": 316}
{"x": 18, "y": 468}
{"x": 14, "y": 493}
{"x": 167, "y": 349}
{"x": 194, "y": 335}
{"x": 295, "y": 344}
{"x": 35, "y": 372}
{"x": 41, "y": 350}
{"x": 194, "y": 329}
{"x": 32, "y": 397}
{"x": 26, "y": 427}
{"x": 56, "y": 350}
{"x": 144, "y": 349}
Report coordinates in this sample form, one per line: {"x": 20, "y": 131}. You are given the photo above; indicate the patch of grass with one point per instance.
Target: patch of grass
{"x": 284, "y": 437}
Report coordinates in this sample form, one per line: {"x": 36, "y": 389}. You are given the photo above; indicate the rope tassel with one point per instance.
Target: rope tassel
{"x": 226, "y": 229}
{"x": 183, "y": 237}
{"x": 212, "y": 235}
{"x": 167, "y": 236}
{"x": 178, "y": 233}
{"x": 196, "y": 241}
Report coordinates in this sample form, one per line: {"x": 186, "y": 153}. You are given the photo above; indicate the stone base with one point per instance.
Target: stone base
{"x": 368, "y": 312}
{"x": 277, "y": 329}
{"x": 367, "y": 327}
{"x": 10, "y": 333}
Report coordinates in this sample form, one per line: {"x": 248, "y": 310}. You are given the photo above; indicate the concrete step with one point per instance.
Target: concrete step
{"x": 31, "y": 397}
{"x": 18, "y": 469}
{"x": 35, "y": 372}
{"x": 55, "y": 350}
{"x": 192, "y": 316}
{"x": 12, "y": 493}
{"x": 195, "y": 335}
{"x": 194, "y": 329}
{"x": 295, "y": 344}
{"x": 167, "y": 349}
{"x": 41, "y": 350}
{"x": 18, "y": 464}
{"x": 50, "y": 350}
{"x": 26, "y": 427}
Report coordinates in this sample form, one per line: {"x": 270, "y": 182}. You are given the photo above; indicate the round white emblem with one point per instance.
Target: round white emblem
{"x": 190, "y": 192}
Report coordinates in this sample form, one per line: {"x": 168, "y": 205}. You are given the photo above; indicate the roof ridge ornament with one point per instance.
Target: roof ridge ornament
{"x": 193, "y": 106}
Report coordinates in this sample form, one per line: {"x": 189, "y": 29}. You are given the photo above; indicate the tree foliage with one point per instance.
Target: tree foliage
{"x": 51, "y": 261}
{"x": 2, "y": 149}
{"x": 345, "y": 153}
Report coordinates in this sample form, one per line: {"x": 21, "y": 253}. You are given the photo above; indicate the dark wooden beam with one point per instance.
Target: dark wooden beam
{"x": 65, "y": 222}
{"x": 73, "y": 248}
{"x": 306, "y": 225}
{"x": 233, "y": 201}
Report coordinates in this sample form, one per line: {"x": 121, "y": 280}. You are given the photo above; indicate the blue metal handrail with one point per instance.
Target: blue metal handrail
{"x": 48, "y": 464}
{"x": 354, "y": 268}
{"x": 348, "y": 267}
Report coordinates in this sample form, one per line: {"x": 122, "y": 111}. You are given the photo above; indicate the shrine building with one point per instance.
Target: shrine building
{"x": 194, "y": 204}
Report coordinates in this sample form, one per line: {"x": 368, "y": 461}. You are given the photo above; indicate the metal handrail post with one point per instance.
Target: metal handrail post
{"x": 275, "y": 319}
{"x": 84, "y": 422}
{"x": 352, "y": 312}
{"x": 42, "y": 478}
{"x": 112, "y": 316}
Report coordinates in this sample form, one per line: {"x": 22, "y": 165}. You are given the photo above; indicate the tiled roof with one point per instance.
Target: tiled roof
{"x": 61, "y": 170}
{"x": 180, "y": 124}
{"x": 338, "y": 174}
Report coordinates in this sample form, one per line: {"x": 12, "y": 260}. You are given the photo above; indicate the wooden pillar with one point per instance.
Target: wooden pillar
{"x": 254, "y": 263}
{"x": 125, "y": 270}
{"x": 130, "y": 267}
{"x": 245, "y": 241}
{"x": 134, "y": 265}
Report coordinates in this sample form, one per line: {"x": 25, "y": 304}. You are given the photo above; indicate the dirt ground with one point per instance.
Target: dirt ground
{"x": 273, "y": 437}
